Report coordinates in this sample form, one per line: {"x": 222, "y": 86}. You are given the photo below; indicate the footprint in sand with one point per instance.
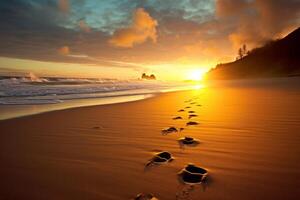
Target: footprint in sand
{"x": 192, "y": 123}
{"x": 160, "y": 158}
{"x": 187, "y": 107}
{"x": 199, "y": 105}
{"x": 181, "y": 110}
{"x": 184, "y": 193}
{"x": 192, "y": 115}
{"x": 191, "y": 111}
{"x": 187, "y": 101}
{"x": 192, "y": 174}
{"x": 172, "y": 129}
{"x": 97, "y": 127}
{"x": 188, "y": 141}
{"x": 175, "y": 118}
{"x": 143, "y": 196}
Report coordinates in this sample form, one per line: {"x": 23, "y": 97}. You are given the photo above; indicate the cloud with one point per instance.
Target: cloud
{"x": 65, "y": 50}
{"x": 64, "y": 5}
{"x": 225, "y": 8}
{"x": 257, "y": 21}
{"x": 143, "y": 27}
{"x": 83, "y": 26}
{"x": 193, "y": 29}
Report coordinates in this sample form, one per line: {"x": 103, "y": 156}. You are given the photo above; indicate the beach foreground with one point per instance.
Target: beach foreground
{"x": 249, "y": 143}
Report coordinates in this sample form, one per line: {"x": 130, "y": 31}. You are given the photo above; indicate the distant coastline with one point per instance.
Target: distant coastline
{"x": 278, "y": 58}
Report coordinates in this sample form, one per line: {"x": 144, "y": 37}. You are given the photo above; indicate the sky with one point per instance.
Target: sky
{"x": 174, "y": 39}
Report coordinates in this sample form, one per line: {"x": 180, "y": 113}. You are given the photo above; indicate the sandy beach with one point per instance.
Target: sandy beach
{"x": 249, "y": 143}
{"x": 150, "y": 100}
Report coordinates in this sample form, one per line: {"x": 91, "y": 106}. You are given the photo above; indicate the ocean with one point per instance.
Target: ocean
{"x": 20, "y": 96}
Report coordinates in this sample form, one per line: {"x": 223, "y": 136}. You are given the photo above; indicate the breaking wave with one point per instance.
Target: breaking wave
{"x": 44, "y": 90}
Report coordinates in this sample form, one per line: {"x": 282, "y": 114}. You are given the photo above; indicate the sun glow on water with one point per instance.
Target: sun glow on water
{"x": 198, "y": 86}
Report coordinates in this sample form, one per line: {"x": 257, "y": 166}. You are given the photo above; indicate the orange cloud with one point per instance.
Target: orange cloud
{"x": 256, "y": 22}
{"x": 209, "y": 51}
{"x": 83, "y": 26}
{"x": 65, "y": 50}
{"x": 64, "y": 5}
{"x": 143, "y": 27}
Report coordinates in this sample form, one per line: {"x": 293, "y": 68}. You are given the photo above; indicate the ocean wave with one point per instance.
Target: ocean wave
{"x": 44, "y": 90}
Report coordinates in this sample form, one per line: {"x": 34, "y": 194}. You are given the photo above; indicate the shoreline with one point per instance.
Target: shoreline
{"x": 11, "y": 111}
{"x": 16, "y": 111}
{"x": 26, "y": 110}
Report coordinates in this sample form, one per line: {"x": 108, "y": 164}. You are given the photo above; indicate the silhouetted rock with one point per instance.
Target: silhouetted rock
{"x": 275, "y": 59}
{"x": 152, "y": 77}
{"x": 147, "y": 77}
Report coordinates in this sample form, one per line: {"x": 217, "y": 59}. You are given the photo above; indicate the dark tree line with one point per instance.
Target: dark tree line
{"x": 242, "y": 52}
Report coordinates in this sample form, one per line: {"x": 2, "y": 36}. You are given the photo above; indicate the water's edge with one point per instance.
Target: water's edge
{"x": 9, "y": 112}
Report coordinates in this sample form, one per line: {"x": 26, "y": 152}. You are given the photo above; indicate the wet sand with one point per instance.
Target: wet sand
{"x": 249, "y": 141}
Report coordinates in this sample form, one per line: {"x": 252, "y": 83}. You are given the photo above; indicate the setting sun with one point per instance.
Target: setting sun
{"x": 196, "y": 74}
